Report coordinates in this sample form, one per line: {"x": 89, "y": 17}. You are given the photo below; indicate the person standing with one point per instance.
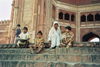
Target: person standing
{"x": 55, "y": 35}
{"x": 17, "y": 32}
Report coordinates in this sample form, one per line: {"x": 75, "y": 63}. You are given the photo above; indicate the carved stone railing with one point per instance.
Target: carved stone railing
{"x": 4, "y": 22}
{"x": 75, "y": 44}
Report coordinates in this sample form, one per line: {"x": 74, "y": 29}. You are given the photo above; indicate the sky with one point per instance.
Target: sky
{"x": 5, "y": 9}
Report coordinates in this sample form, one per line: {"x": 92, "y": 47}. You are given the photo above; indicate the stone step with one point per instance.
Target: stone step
{"x": 26, "y": 51}
{"x": 75, "y": 44}
{"x": 73, "y": 50}
{"x": 86, "y": 58}
{"x": 21, "y": 63}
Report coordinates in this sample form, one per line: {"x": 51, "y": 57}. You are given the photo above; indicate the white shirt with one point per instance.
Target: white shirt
{"x": 24, "y": 36}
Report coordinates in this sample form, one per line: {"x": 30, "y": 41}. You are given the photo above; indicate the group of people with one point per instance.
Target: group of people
{"x": 55, "y": 38}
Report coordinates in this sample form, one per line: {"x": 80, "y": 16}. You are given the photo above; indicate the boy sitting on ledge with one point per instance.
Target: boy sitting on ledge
{"x": 24, "y": 38}
{"x": 68, "y": 37}
{"x": 39, "y": 42}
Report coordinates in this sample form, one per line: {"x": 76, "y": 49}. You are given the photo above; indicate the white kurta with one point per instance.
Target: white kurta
{"x": 55, "y": 36}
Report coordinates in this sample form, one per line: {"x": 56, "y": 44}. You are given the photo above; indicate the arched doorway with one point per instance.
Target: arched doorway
{"x": 83, "y": 18}
{"x": 60, "y": 15}
{"x": 72, "y": 17}
{"x": 97, "y": 17}
{"x": 67, "y": 16}
{"x": 90, "y": 17}
{"x": 90, "y": 37}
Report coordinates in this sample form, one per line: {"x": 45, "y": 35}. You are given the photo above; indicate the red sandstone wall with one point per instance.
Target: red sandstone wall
{"x": 4, "y": 26}
{"x": 80, "y": 2}
{"x": 53, "y": 11}
{"x": 88, "y": 30}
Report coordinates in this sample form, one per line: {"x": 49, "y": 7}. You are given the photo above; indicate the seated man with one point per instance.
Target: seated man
{"x": 68, "y": 37}
{"x": 39, "y": 42}
{"x": 24, "y": 38}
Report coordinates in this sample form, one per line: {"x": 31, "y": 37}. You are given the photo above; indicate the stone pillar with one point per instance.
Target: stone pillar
{"x": 14, "y": 22}
{"x": 78, "y": 26}
{"x": 42, "y": 15}
{"x": 56, "y": 14}
{"x": 34, "y": 18}
{"x": 48, "y": 18}
{"x": 63, "y": 16}
{"x": 94, "y": 18}
{"x": 11, "y": 22}
{"x": 86, "y": 19}
{"x": 70, "y": 18}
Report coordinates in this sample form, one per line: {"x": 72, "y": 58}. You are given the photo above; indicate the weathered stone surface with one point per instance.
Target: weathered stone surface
{"x": 91, "y": 59}
{"x": 88, "y": 55}
{"x": 44, "y": 64}
{"x": 4, "y": 27}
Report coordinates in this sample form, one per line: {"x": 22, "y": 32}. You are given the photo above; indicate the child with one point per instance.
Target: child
{"x": 68, "y": 37}
{"x": 18, "y": 31}
{"x": 25, "y": 36}
{"x": 39, "y": 42}
{"x": 55, "y": 35}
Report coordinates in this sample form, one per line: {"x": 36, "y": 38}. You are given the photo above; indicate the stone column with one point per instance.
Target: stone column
{"x": 63, "y": 16}
{"x": 86, "y": 19}
{"x": 42, "y": 15}
{"x": 11, "y": 22}
{"x": 78, "y": 26}
{"x": 48, "y": 19}
{"x": 70, "y": 18}
{"x": 94, "y": 18}
{"x": 34, "y": 18}
{"x": 14, "y": 22}
{"x": 57, "y": 13}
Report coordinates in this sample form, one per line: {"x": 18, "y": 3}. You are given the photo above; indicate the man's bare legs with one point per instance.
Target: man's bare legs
{"x": 27, "y": 42}
{"x": 39, "y": 49}
{"x": 20, "y": 45}
{"x": 31, "y": 47}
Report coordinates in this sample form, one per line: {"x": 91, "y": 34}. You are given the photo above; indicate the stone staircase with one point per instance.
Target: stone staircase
{"x": 59, "y": 57}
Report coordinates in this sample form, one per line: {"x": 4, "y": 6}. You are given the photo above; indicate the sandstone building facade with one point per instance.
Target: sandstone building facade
{"x": 4, "y": 29}
{"x": 82, "y": 15}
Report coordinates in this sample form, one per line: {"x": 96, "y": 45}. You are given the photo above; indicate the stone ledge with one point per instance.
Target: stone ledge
{"x": 74, "y": 44}
{"x": 10, "y": 63}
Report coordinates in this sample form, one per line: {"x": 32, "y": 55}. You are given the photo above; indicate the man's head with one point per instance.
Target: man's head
{"x": 18, "y": 25}
{"x": 68, "y": 28}
{"x": 39, "y": 34}
{"x": 25, "y": 29}
{"x": 56, "y": 25}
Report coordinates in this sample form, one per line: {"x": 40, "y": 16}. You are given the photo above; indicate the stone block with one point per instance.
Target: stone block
{"x": 91, "y": 58}
{"x": 62, "y": 58}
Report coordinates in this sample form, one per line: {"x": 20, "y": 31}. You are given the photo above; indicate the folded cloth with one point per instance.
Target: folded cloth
{"x": 22, "y": 40}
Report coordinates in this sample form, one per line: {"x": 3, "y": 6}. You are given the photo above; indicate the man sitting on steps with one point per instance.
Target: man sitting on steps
{"x": 68, "y": 37}
{"x": 39, "y": 42}
{"x": 24, "y": 38}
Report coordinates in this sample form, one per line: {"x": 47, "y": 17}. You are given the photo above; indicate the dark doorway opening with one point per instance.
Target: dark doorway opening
{"x": 60, "y": 15}
{"x": 83, "y": 18}
{"x": 67, "y": 16}
{"x": 97, "y": 17}
{"x": 90, "y": 17}
{"x": 89, "y": 36}
{"x": 72, "y": 17}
